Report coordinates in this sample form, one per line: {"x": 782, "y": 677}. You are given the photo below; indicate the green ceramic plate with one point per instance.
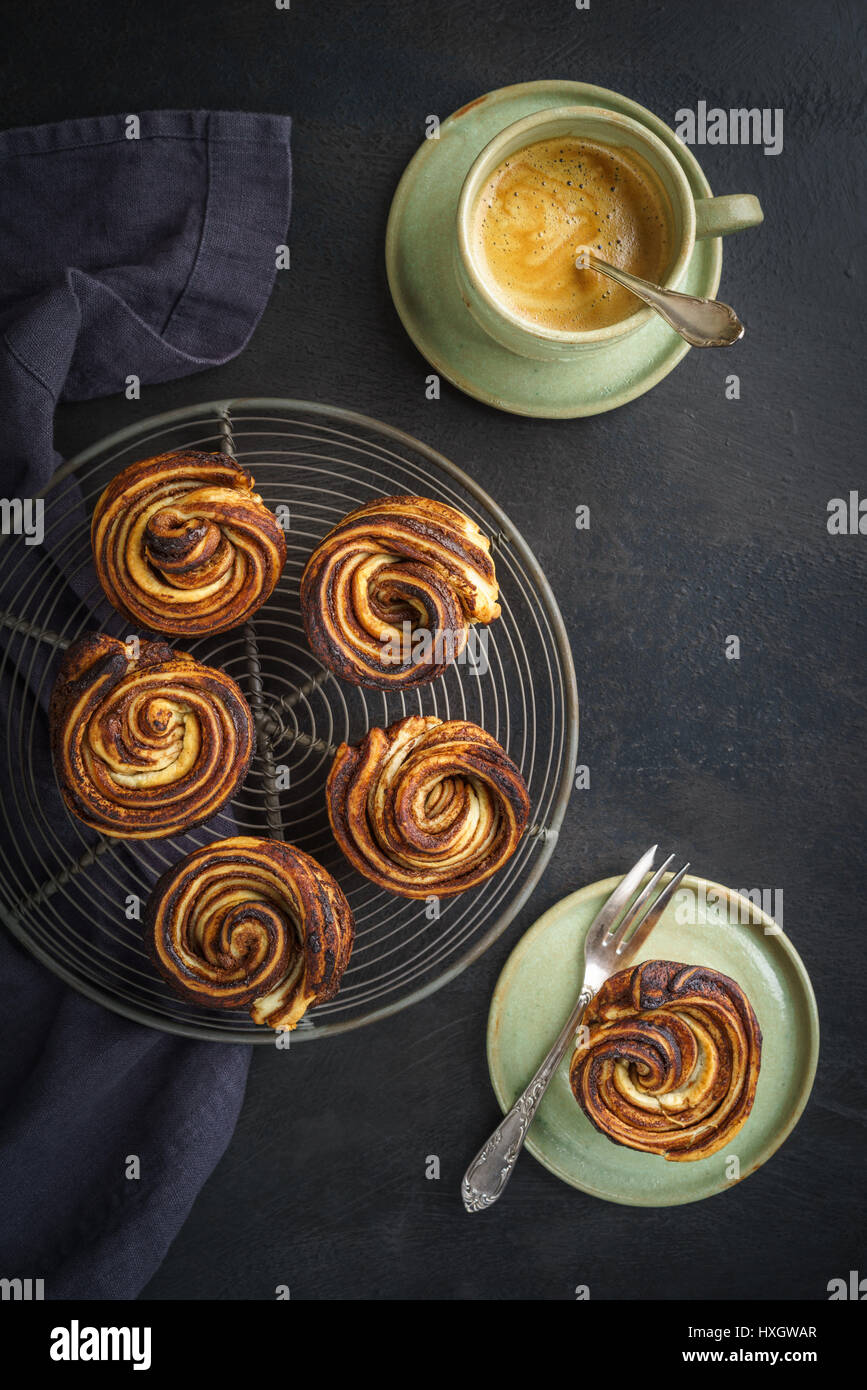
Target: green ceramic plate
{"x": 419, "y": 259}
{"x": 540, "y": 982}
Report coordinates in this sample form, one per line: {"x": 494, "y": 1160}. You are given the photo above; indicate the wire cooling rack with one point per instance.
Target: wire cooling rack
{"x": 65, "y": 894}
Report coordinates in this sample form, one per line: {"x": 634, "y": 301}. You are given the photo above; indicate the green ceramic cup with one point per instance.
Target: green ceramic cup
{"x": 691, "y": 219}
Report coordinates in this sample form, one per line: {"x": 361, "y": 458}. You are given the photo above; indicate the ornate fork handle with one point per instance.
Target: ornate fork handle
{"x": 490, "y": 1170}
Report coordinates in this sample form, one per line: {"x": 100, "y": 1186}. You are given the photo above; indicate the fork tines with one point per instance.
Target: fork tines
{"x": 643, "y": 914}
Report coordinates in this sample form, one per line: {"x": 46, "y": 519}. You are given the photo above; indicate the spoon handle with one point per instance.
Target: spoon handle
{"x": 702, "y": 322}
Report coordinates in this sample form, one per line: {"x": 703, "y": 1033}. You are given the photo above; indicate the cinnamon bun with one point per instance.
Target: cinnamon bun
{"x": 672, "y": 1060}
{"x": 427, "y": 807}
{"x": 182, "y": 543}
{"x": 250, "y": 923}
{"x": 146, "y": 746}
{"x": 389, "y": 596}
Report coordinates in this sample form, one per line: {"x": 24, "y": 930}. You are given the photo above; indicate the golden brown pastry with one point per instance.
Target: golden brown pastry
{"x": 183, "y": 544}
{"x": 394, "y": 561}
{"x": 672, "y": 1060}
{"x": 426, "y": 807}
{"x": 149, "y": 746}
{"x": 249, "y": 923}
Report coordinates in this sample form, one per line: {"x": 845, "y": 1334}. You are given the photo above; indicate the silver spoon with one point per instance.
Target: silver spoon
{"x": 701, "y": 322}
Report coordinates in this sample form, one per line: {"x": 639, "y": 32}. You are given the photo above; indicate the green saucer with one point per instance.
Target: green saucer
{"x": 419, "y": 252}
{"x": 539, "y": 984}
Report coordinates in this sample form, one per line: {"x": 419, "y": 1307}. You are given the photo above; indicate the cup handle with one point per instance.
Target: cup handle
{"x": 732, "y": 213}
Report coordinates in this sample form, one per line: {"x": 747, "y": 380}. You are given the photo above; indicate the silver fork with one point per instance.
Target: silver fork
{"x": 605, "y": 952}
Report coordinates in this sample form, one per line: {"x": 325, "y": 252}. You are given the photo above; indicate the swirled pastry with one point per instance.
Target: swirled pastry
{"x": 146, "y": 746}
{"x": 389, "y": 595}
{"x": 425, "y": 806}
{"x": 249, "y": 923}
{"x": 672, "y": 1060}
{"x": 182, "y": 543}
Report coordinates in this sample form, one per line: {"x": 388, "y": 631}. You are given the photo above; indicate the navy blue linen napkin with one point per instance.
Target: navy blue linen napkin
{"x": 143, "y": 247}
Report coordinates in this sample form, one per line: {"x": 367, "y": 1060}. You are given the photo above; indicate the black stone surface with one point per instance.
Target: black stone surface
{"x": 708, "y": 518}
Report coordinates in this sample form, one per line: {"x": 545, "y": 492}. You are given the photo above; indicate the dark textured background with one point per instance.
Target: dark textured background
{"x": 708, "y": 518}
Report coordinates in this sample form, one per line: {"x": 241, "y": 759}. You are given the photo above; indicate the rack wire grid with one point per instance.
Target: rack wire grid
{"x": 66, "y": 893}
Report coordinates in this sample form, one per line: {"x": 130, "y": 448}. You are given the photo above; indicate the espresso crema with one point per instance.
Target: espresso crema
{"x": 546, "y": 203}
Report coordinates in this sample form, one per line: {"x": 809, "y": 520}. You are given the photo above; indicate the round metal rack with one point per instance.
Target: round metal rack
{"x": 73, "y": 899}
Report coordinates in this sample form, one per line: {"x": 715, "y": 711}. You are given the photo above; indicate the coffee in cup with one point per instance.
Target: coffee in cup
{"x": 545, "y": 203}
{"x": 516, "y": 269}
